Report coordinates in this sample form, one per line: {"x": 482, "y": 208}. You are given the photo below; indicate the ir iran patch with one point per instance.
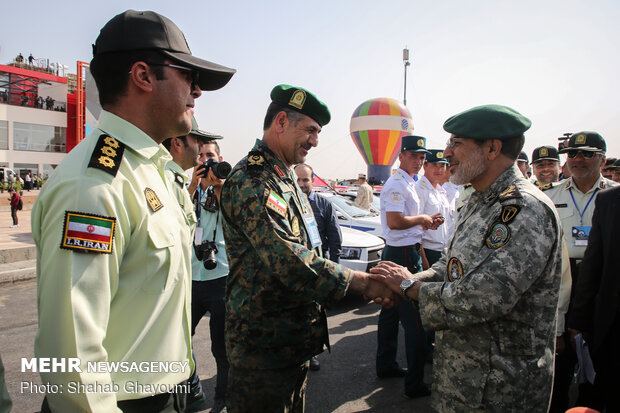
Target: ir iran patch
{"x": 455, "y": 269}
{"x": 499, "y": 234}
{"x": 277, "y": 204}
{"x": 88, "y": 233}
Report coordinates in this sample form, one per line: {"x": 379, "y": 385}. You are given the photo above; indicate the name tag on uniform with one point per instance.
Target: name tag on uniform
{"x": 581, "y": 234}
{"x": 313, "y": 229}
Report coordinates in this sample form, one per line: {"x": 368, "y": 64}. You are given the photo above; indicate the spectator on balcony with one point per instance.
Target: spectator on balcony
{"x": 19, "y": 58}
{"x": 30, "y": 60}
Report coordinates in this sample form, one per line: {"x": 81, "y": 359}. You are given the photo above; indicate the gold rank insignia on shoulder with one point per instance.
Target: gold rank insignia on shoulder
{"x": 510, "y": 192}
{"x": 298, "y": 99}
{"x": 295, "y": 227}
{"x": 509, "y": 212}
{"x": 455, "y": 269}
{"x": 498, "y": 235}
{"x": 256, "y": 160}
{"x": 107, "y": 155}
{"x": 153, "y": 200}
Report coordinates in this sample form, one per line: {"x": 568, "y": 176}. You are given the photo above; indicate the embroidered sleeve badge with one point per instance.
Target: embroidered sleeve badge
{"x": 498, "y": 235}
{"x": 88, "y": 233}
{"x": 455, "y": 269}
{"x": 395, "y": 197}
{"x": 277, "y": 204}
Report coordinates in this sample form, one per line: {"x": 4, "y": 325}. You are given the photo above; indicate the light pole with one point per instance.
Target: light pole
{"x": 406, "y": 62}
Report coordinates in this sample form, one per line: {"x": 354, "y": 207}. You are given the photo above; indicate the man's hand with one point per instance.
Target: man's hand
{"x": 362, "y": 283}
{"x": 435, "y": 221}
{"x": 390, "y": 274}
{"x": 382, "y": 294}
{"x": 193, "y": 184}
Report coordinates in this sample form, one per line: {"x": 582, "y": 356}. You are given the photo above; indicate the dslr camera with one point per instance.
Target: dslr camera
{"x": 205, "y": 252}
{"x": 220, "y": 169}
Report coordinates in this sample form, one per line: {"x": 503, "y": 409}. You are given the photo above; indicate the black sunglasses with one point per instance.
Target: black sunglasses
{"x": 194, "y": 73}
{"x": 586, "y": 154}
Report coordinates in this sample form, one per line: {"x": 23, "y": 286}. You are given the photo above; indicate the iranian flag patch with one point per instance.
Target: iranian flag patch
{"x": 88, "y": 233}
{"x": 276, "y": 203}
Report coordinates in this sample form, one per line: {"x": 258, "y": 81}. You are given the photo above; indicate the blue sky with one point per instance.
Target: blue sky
{"x": 556, "y": 62}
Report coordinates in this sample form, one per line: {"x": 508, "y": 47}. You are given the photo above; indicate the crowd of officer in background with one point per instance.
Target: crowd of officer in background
{"x": 472, "y": 264}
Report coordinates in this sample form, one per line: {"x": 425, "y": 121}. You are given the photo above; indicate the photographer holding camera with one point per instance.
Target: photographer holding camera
{"x": 209, "y": 264}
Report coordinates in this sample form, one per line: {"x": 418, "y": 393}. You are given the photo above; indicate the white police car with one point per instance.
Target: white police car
{"x": 354, "y": 217}
{"x": 360, "y": 251}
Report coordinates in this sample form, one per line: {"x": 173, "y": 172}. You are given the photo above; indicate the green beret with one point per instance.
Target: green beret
{"x": 413, "y": 144}
{"x": 436, "y": 156}
{"x": 488, "y": 122}
{"x": 545, "y": 152}
{"x": 302, "y": 101}
{"x": 586, "y": 141}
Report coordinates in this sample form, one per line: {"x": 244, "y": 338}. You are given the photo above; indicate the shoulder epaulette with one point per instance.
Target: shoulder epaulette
{"x": 256, "y": 161}
{"x": 466, "y": 186}
{"x": 510, "y": 192}
{"x": 107, "y": 155}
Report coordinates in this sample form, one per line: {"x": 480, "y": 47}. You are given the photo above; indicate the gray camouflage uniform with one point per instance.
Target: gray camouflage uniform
{"x": 492, "y": 299}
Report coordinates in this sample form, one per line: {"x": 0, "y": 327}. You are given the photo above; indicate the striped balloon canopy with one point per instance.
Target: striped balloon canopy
{"x": 377, "y": 127}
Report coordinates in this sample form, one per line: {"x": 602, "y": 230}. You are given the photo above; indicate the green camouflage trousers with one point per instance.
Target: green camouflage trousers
{"x": 274, "y": 391}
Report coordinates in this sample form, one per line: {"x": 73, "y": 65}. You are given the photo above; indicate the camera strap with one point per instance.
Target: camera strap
{"x": 210, "y": 205}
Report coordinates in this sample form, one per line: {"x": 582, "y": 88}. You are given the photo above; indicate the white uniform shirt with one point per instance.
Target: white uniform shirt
{"x": 453, "y": 192}
{"x": 399, "y": 195}
{"x": 433, "y": 200}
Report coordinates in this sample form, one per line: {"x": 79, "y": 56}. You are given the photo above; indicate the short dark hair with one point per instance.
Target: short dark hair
{"x": 512, "y": 147}
{"x": 168, "y": 142}
{"x": 111, "y": 71}
{"x": 212, "y": 142}
{"x": 275, "y": 108}
{"x": 307, "y": 166}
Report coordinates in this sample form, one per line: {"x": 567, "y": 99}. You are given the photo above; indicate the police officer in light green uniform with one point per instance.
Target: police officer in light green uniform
{"x": 278, "y": 279}
{"x": 491, "y": 301}
{"x": 113, "y": 245}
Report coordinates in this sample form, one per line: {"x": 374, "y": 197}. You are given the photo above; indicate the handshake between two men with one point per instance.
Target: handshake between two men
{"x": 383, "y": 285}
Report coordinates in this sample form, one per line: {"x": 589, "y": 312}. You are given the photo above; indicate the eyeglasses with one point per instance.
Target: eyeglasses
{"x": 451, "y": 142}
{"x": 192, "y": 73}
{"x": 586, "y": 154}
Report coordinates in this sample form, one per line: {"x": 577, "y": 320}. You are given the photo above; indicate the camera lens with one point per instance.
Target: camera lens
{"x": 221, "y": 169}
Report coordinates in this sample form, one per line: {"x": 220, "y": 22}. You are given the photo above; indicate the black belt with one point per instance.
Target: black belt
{"x": 416, "y": 246}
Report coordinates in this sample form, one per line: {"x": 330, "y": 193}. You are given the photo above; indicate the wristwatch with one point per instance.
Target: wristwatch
{"x": 407, "y": 284}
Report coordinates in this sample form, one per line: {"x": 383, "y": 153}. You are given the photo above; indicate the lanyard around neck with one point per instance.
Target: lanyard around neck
{"x": 581, "y": 213}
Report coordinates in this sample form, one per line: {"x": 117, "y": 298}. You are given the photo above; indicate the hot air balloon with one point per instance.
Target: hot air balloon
{"x": 377, "y": 126}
